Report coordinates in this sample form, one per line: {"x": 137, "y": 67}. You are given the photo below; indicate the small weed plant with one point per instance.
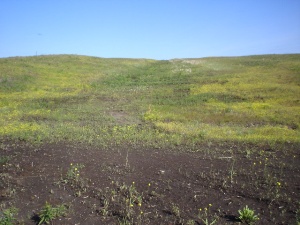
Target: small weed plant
{"x": 247, "y": 215}
{"x": 7, "y": 217}
{"x": 49, "y": 213}
{"x": 175, "y": 210}
{"x": 73, "y": 174}
{"x": 4, "y": 160}
{"x": 125, "y": 196}
{"x": 232, "y": 172}
{"x": 190, "y": 222}
{"x": 207, "y": 217}
{"x": 74, "y": 179}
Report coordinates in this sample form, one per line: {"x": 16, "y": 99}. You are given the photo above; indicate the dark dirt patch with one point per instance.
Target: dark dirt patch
{"x": 174, "y": 185}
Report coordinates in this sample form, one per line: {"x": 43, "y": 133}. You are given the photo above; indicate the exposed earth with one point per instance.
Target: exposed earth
{"x": 174, "y": 184}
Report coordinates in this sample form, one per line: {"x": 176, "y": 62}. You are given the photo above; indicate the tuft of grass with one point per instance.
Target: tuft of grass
{"x": 8, "y": 216}
{"x": 247, "y": 215}
{"x": 49, "y": 213}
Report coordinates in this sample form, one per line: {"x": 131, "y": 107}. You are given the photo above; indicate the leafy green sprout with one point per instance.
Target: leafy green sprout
{"x": 247, "y": 215}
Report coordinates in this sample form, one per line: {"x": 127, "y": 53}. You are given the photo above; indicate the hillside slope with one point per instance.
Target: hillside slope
{"x": 168, "y": 102}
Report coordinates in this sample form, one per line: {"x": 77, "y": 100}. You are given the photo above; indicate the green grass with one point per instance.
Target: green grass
{"x": 8, "y": 216}
{"x": 168, "y": 102}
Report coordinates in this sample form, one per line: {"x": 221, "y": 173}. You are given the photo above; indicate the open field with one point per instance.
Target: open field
{"x": 140, "y": 141}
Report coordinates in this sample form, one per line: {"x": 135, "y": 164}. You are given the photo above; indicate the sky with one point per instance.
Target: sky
{"x": 155, "y": 29}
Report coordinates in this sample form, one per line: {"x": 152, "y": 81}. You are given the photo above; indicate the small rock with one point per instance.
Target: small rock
{"x": 161, "y": 171}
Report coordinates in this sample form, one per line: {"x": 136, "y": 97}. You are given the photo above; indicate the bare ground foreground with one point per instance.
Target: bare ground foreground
{"x": 144, "y": 185}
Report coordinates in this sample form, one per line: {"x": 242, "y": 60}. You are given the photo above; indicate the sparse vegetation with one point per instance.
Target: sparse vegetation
{"x": 74, "y": 179}
{"x": 122, "y": 200}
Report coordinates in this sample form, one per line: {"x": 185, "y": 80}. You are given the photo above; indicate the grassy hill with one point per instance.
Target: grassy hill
{"x": 154, "y": 102}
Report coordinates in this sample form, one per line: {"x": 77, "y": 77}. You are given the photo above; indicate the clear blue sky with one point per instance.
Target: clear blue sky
{"x": 157, "y": 29}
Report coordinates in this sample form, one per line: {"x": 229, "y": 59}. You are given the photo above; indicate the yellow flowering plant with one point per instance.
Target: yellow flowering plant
{"x": 73, "y": 173}
{"x": 206, "y": 216}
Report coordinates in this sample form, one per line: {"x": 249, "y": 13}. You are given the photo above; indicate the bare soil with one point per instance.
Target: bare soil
{"x": 223, "y": 175}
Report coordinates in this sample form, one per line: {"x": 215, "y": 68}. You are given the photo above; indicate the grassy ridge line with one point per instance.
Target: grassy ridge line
{"x": 67, "y": 97}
